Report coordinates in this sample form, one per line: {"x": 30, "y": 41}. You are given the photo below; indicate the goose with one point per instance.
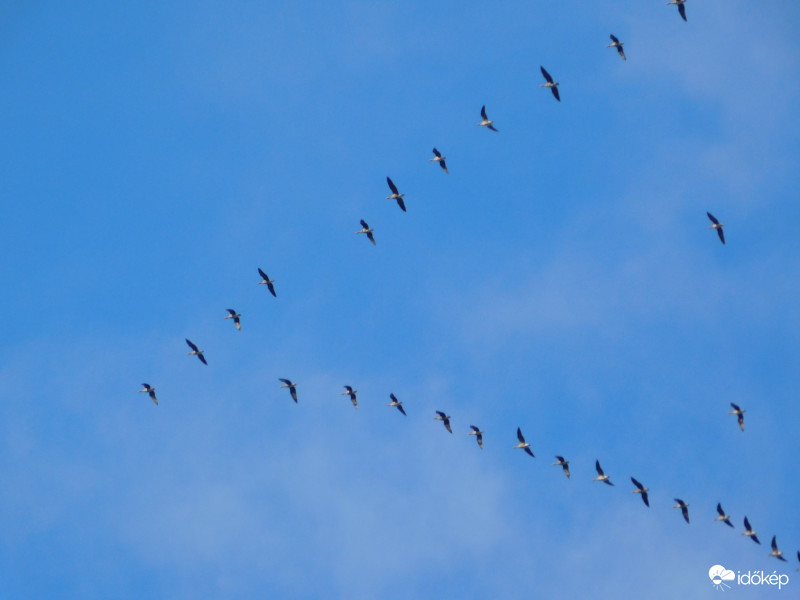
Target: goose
{"x": 564, "y": 464}
{"x": 681, "y": 7}
{"x": 615, "y": 43}
{"x": 748, "y": 531}
{"x": 523, "y": 444}
{"x": 739, "y": 414}
{"x": 550, "y": 84}
{"x": 485, "y": 122}
{"x": 267, "y": 281}
{"x": 684, "y": 508}
{"x": 196, "y": 352}
{"x": 715, "y": 224}
{"x": 601, "y": 476}
{"x": 232, "y": 314}
{"x": 640, "y": 489}
{"x": 366, "y": 229}
{"x": 722, "y": 516}
{"x": 445, "y": 419}
{"x": 478, "y": 435}
{"x": 146, "y": 387}
{"x": 437, "y": 157}
{"x": 288, "y": 383}
{"x": 775, "y": 552}
{"x": 349, "y": 391}
{"x": 395, "y": 194}
{"x": 397, "y": 403}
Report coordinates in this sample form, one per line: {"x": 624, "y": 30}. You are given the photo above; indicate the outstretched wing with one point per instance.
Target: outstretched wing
{"x": 364, "y": 224}
{"x": 436, "y": 153}
{"x": 555, "y": 93}
{"x": 682, "y": 10}
{"x": 713, "y": 218}
{"x": 192, "y": 346}
{"x": 614, "y": 38}
{"x": 263, "y": 275}
{"x": 483, "y": 113}
{"x": 392, "y": 186}
{"x": 546, "y": 75}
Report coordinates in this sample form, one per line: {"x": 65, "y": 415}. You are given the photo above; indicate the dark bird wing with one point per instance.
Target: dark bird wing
{"x": 621, "y": 52}
{"x": 747, "y": 525}
{"x": 721, "y": 235}
{"x": 529, "y": 451}
{"x": 720, "y": 512}
{"x": 713, "y": 218}
{"x": 146, "y": 386}
{"x": 447, "y": 425}
{"x": 475, "y": 429}
{"x": 371, "y": 238}
{"x": 555, "y": 93}
{"x": 636, "y": 483}
{"x": 546, "y": 75}
{"x": 441, "y": 414}
{"x": 436, "y": 153}
{"x": 271, "y": 289}
{"x": 774, "y": 543}
{"x": 263, "y": 275}
{"x": 443, "y": 164}
{"x": 393, "y": 397}
{"x": 231, "y": 311}
{"x": 520, "y": 437}
{"x": 483, "y": 113}
{"x": 645, "y": 499}
{"x": 392, "y": 186}
{"x": 400, "y": 408}
{"x": 401, "y": 204}
{"x": 202, "y": 359}
{"x": 192, "y": 346}
{"x": 286, "y": 381}
{"x": 614, "y": 38}
{"x": 682, "y": 10}
{"x": 492, "y": 127}
{"x": 364, "y": 224}
{"x": 755, "y": 539}
{"x": 598, "y": 468}
{"x": 349, "y": 389}
{"x": 735, "y": 407}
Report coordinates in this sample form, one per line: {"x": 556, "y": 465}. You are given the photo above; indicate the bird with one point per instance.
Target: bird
{"x": 437, "y": 157}
{"x": 601, "y": 476}
{"x": 146, "y": 387}
{"x": 523, "y": 444}
{"x": 615, "y": 43}
{"x": 485, "y": 122}
{"x": 715, "y": 224}
{"x": 640, "y": 489}
{"x": 288, "y": 383}
{"x": 349, "y": 391}
{"x": 550, "y": 84}
{"x": 445, "y": 419}
{"x": 681, "y": 7}
{"x": 775, "y": 552}
{"x": 395, "y": 194}
{"x": 739, "y": 414}
{"x": 564, "y": 464}
{"x": 196, "y": 352}
{"x": 232, "y": 314}
{"x": 722, "y": 516}
{"x": 366, "y": 229}
{"x": 397, "y": 403}
{"x": 684, "y": 508}
{"x": 748, "y": 531}
{"x": 267, "y": 281}
{"x": 478, "y": 435}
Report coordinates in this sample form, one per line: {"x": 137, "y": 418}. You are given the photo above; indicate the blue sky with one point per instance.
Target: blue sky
{"x": 560, "y": 279}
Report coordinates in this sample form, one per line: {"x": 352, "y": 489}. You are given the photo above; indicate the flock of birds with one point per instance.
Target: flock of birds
{"x": 522, "y": 444}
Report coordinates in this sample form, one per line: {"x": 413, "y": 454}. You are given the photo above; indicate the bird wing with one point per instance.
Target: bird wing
{"x": 520, "y": 437}
{"x": 645, "y": 499}
{"x": 436, "y": 153}
{"x": 231, "y": 311}
{"x": 492, "y": 127}
{"x": 598, "y": 468}
{"x": 713, "y": 218}
{"x": 393, "y": 397}
{"x": 349, "y": 389}
{"x": 392, "y": 186}
{"x": 271, "y": 289}
{"x": 447, "y": 424}
{"x": 721, "y": 235}
{"x": 441, "y": 414}
{"x": 774, "y": 543}
{"x": 401, "y": 204}
{"x": 192, "y": 346}
{"x": 364, "y": 224}
{"x": 636, "y": 483}
{"x": 614, "y": 38}
{"x": 202, "y": 359}
{"x": 263, "y": 275}
{"x": 735, "y": 407}
{"x": 621, "y": 52}
{"x": 747, "y": 525}
{"x": 444, "y": 166}
{"x": 555, "y": 93}
{"x": 483, "y": 113}
{"x": 400, "y": 408}
{"x": 529, "y": 451}
{"x": 146, "y": 386}
{"x": 371, "y": 238}
{"x": 720, "y": 512}
{"x": 682, "y": 10}
{"x": 546, "y": 75}
{"x": 286, "y": 381}
{"x": 475, "y": 429}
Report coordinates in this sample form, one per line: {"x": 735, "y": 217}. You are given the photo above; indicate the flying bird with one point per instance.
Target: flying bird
{"x": 196, "y": 352}
{"x": 523, "y": 444}
{"x": 366, "y": 229}
{"x": 288, "y": 383}
{"x": 615, "y": 43}
{"x": 445, "y": 419}
{"x": 684, "y": 508}
{"x": 564, "y": 464}
{"x": 775, "y": 552}
{"x": 485, "y": 122}
{"x": 232, "y": 314}
{"x": 640, "y": 489}
{"x": 681, "y": 7}
{"x": 437, "y": 157}
{"x": 478, "y": 435}
{"x": 349, "y": 391}
{"x": 722, "y": 516}
{"x": 268, "y": 282}
{"x": 146, "y": 387}
{"x": 739, "y": 414}
{"x": 550, "y": 84}
{"x": 601, "y": 476}
{"x": 748, "y": 531}
{"x": 397, "y": 403}
{"x": 715, "y": 224}
{"x": 395, "y": 194}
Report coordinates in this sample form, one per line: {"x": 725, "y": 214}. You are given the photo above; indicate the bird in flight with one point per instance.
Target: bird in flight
{"x": 366, "y": 229}
{"x": 550, "y": 83}
{"x": 151, "y": 391}
{"x": 640, "y": 489}
{"x": 397, "y": 403}
{"x": 478, "y": 435}
{"x": 681, "y": 7}
{"x": 196, "y": 352}
{"x": 267, "y": 281}
{"x": 395, "y": 194}
{"x": 615, "y": 43}
{"x": 564, "y": 464}
{"x": 775, "y": 552}
{"x": 437, "y": 157}
{"x": 349, "y": 391}
{"x": 288, "y": 383}
{"x": 722, "y": 516}
{"x": 739, "y": 414}
{"x": 715, "y": 224}
{"x": 684, "y": 508}
{"x": 485, "y": 122}
{"x": 523, "y": 444}
{"x": 232, "y": 314}
{"x": 601, "y": 476}
{"x": 445, "y": 419}
{"x": 748, "y": 531}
